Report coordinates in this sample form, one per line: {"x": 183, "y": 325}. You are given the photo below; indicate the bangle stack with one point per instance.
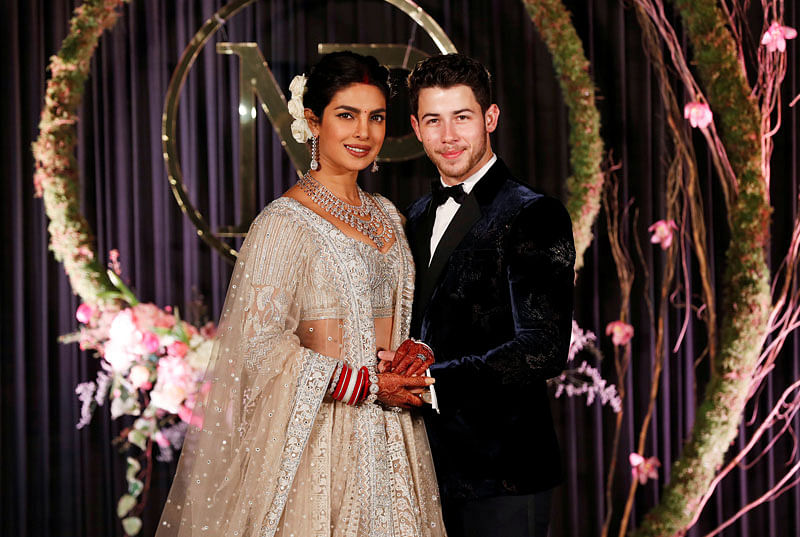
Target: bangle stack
{"x": 351, "y": 387}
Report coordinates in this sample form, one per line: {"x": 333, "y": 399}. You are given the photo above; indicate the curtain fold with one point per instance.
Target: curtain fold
{"x": 56, "y": 480}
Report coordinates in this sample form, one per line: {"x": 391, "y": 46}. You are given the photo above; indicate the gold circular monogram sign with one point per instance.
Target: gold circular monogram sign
{"x": 256, "y": 83}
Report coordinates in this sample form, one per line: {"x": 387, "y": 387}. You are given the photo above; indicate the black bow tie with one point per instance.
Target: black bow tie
{"x": 441, "y": 193}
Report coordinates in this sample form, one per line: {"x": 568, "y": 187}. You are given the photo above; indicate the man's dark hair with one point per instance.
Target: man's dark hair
{"x": 446, "y": 71}
{"x": 338, "y": 70}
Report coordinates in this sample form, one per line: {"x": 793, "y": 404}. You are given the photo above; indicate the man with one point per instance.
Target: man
{"x": 494, "y": 301}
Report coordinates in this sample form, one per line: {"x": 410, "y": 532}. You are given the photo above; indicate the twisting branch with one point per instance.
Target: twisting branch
{"x": 673, "y": 210}
{"x": 744, "y": 323}
{"x": 655, "y": 11}
{"x": 615, "y": 221}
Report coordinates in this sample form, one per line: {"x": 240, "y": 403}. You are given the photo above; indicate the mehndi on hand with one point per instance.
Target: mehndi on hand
{"x": 412, "y": 358}
{"x": 396, "y": 390}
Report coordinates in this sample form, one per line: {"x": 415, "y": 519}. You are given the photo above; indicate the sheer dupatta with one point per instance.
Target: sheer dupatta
{"x": 275, "y": 456}
{"x": 235, "y": 472}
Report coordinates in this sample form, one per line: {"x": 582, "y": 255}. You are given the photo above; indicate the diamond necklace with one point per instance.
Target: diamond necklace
{"x": 366, "y": 218}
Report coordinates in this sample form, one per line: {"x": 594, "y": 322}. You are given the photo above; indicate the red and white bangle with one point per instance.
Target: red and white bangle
{"x": 351, "y": 387}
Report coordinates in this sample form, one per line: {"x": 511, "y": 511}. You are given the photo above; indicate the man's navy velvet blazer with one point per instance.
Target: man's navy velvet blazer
{"x": 495, "y": 305}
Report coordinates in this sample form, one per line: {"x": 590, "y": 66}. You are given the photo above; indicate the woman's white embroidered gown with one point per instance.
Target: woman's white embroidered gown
{"x": 276, "y": 455}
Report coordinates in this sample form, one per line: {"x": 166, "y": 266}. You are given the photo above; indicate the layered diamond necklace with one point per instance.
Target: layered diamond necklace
{"x": 367, "y": 218}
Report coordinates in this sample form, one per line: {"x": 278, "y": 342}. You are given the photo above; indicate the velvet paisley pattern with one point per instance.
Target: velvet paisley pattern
{"x": 495, "y": 304}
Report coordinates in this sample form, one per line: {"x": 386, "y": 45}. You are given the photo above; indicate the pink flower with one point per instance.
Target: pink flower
{"x": 698, "y": 114}
{"x": 161, "y": 440}
{"x": 621, "y": 333}
{"x": 208, "y": 330}
{"x": 150, "y": 342}
{"x": 662, "y": 233}
{"x": 174, "y": 370}
{"x": 177, "y": 349}
{"x": 149, "y": 315}
{"x": 186, "y": 414}
{"x": 84, "y": 313}
{"x": 776, "y": 35}
{"x": 643, "y": 469}
{"x": 113, "y": 263}
{"x": 139, "y": 377}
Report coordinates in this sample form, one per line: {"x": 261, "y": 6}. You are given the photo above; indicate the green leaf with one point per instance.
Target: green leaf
{"x": 132, "y": 525}
{"x": 125, "y": 504}
{"x": 135, "y": 487}
{"x": 138, "y": 439}
{"x": 133, "y": 468}
{"x": 127, "y": 294}
{"x": 110, "y": 295}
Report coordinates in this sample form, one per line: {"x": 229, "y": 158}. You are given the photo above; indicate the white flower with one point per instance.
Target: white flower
{"x": 120, "y": 406}
{"x": 298, "y": 86}
{"x": 296, "y": 108}
{"x": 168, "y": 397}
{"x": 300, "y": 130}
{"x": 118, "y": 356}
{"x": 199, "y": 356}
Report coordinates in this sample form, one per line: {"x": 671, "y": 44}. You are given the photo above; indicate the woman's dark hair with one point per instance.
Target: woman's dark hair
{"x": 336, "y": 71}
{"x": 448, "y": 70}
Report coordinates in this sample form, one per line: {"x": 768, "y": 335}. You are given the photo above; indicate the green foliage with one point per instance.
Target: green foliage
{"x": 553, "y": 22}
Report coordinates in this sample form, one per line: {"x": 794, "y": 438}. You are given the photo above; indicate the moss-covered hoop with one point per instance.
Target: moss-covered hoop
{"x": 746, "y": 299}
{"x": 585, "y": 185}
{"x": 56, "y": 175}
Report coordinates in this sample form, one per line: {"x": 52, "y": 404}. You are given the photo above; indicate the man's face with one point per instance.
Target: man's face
{"x": 453, "y": 131}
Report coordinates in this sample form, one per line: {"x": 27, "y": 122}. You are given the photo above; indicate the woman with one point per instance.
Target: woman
{"x": 293, "y": 442}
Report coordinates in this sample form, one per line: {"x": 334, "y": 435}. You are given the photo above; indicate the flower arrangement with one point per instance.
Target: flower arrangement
{"x": 152, "y": 365}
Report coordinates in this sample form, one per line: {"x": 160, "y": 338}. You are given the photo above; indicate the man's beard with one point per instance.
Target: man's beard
{"x": 474, "y": 158}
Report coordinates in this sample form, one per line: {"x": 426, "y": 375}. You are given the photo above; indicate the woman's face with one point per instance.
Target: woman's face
{"x": 352, "y": 129}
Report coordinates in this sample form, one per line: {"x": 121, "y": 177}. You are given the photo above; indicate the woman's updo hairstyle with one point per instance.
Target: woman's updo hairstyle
{"x": 336, "y": 71}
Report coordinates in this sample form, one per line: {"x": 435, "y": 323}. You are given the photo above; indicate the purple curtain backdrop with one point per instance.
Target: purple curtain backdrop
{"x": 55, "y": 480}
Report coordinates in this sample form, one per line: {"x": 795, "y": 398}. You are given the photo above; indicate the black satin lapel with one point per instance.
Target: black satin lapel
{"x": 464, "y": 219}
{"x": 421, "y": 241}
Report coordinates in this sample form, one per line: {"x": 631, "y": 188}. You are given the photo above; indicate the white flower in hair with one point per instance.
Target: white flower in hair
{"x": 296, "y": 108}
{"x": 298, "y": 86}
{"x": 300, "y": 129}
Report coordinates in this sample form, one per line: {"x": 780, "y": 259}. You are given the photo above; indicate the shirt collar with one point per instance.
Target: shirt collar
{"x": 469, "y": 183}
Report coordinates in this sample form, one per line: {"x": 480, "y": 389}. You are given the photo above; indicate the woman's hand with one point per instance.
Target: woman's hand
{"x": 411, "y": 359}
{"x": 400, "y": 390}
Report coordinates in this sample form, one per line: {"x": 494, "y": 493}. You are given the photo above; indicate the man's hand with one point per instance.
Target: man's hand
{"x": 411, "y": 359}
{"x": 400, "y": 390}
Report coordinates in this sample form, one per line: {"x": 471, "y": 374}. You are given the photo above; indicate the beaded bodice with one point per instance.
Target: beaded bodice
{"x": 317, "y": 298}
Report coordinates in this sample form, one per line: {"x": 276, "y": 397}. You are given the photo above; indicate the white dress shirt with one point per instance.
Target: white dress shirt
{"x": 447, "y": 210}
